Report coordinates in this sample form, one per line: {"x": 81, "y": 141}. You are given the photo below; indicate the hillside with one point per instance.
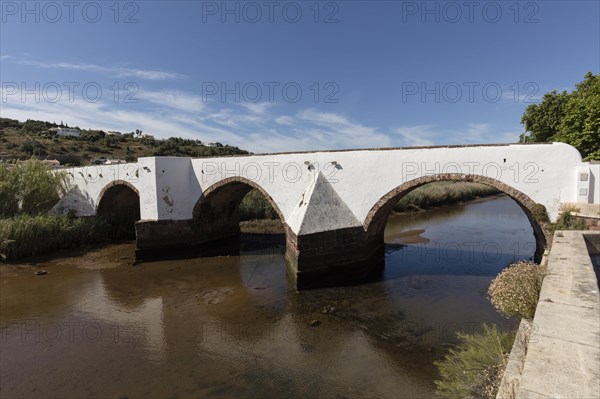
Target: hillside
{"x": 24, "y": 140}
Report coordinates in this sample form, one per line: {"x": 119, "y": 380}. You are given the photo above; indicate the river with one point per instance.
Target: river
{"x": 97, "y": 327}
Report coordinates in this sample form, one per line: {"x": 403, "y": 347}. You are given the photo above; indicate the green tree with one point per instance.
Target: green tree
{"x": 572, "y": 118}
{"x": 542, "y": 120}
{"x": 580, "y": 126}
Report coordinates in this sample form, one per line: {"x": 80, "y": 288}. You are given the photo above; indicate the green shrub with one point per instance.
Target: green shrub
{"x": 516, "y": 290}
{"x": 474, "y": 368}
{"x": 567, "y": 221}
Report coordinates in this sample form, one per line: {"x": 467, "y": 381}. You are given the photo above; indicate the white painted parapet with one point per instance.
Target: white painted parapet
{"x": 169, "y": 187}
{"x": 543, "y": 172}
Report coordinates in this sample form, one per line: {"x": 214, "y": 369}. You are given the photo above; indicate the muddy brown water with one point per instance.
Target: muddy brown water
{"x": 97, "y": 327}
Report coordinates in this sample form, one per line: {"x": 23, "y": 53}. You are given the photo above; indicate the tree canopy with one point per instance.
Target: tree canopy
{"x": 572, "y": 118}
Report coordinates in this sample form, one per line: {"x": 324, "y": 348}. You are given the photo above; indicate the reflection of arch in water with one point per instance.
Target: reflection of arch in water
{"x": 376, "y": 219}
{"x": 216, "y": 213}
{"x": 119, "y": 203}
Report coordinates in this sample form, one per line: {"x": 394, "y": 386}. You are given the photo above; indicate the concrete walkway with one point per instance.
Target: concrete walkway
{"x": 563, "y": 354}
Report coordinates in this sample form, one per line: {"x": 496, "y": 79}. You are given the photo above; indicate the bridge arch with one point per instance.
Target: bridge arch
{"x": 119, "y": 203}
{"x": 376, "y": 219}
{"x": 217, "y": 209}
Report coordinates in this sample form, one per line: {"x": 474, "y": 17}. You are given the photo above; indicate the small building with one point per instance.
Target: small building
{"x": 106, "y": 161}
{"x": 114, "y": 161}
{"x": 113, "y": 133}
{"x": 53, "y": 163}
{"x": 66, "y": 132}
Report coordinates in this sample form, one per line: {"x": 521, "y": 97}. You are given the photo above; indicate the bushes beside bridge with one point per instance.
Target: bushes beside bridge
{"x": 515, "y": 291}
{"x": 28, "y": 191}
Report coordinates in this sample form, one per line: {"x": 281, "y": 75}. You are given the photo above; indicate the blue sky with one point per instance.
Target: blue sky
{"x": 285, "y": 76}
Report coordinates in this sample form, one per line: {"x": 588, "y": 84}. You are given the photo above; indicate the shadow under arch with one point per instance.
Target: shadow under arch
{"x": 119, "y": 203}
{"x": 216, "y": 213}
{"x": 376, "y": 219}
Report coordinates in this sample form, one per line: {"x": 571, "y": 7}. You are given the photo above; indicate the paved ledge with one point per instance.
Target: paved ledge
{"x": 514, "y": 366}
{"x": 563, "y": 352}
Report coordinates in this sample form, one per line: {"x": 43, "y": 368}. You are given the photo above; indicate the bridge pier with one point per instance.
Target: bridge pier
{"x": 337, "y": 257}
{"x": 175, "y": 239}
{"x": 332, "y": 258}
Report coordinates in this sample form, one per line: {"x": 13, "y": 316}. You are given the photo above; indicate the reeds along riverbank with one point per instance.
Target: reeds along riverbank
{"x": 442, "y": 193}
{"x": 23, "y": 236}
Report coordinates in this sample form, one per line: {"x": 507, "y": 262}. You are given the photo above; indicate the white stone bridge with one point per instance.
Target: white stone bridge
{"x": 333, "y": 204}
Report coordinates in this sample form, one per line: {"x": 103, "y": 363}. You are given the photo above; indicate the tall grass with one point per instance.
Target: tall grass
{"x": 28, "y": 235}
{"x": 442, "y": 193}
{"x": 28, "y": 191}
{"x": 29, "y": 187}
{"x": 474, "y": 368}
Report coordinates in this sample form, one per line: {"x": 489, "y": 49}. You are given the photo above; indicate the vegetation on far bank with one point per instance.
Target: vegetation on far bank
{"x": 442, "y": 193}
{"x": 23, "y": 140}
{"x": 256, "y": 207}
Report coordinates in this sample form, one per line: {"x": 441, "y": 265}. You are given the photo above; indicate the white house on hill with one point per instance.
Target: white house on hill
{"x": 66, "y": 132}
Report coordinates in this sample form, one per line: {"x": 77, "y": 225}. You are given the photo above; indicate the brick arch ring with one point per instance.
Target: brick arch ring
{"x": 216, "y": 187}
{"x": 114, "y": 184}
{"x": 373, "y": 222}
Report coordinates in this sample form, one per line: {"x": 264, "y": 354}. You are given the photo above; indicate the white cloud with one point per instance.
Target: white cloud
{"x": 473, "y": 133}
{"x": 257, "y": 108}
{"x": 338, "y": 131}
{"x": 174, "y": 99}
{"x": 120, "y": 72}
{"x": 417, "y": 136}
{"x": 284, "y": 120}
{"x": 323, "y": 118}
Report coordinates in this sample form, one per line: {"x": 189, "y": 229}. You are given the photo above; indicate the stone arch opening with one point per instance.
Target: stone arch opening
{"x": 376, "y": 219}
{"x": 119, "y": 204}
{"x": 216, "y": 214}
